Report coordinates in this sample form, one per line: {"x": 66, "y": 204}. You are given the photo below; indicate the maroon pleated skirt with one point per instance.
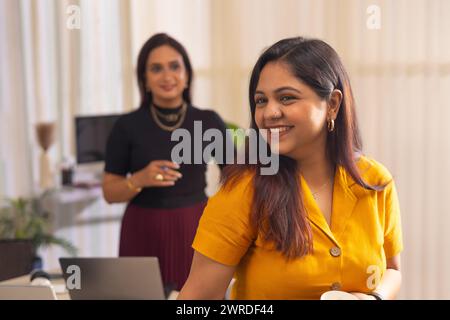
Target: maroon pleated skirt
{"x": 164, "y": 233}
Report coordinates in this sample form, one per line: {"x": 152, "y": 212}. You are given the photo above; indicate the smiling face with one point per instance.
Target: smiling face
{"x": 285, "y": 103}
{"x": 166, "y": 76}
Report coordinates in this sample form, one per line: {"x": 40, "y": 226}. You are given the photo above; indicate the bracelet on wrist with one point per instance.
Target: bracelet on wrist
{"x": 132, "y": 187}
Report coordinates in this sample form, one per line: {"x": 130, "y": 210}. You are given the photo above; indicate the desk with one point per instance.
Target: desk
{"x": 59, "y": 285}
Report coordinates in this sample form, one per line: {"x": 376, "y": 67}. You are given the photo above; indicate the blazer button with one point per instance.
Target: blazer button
{"x": 335, "y": 252}
{"x": 335, "y": 286}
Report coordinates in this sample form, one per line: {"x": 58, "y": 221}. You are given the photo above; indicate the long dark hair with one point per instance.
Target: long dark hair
{"x": 154, "y": 42}
{"x": 282, "y": 218}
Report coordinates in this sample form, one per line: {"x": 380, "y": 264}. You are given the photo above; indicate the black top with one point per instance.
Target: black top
{"x": 136, "y": 140}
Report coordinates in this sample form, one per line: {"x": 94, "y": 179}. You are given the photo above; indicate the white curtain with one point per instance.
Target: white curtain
{"x": 400, "y": 71}
{"x": 51, "y": 73}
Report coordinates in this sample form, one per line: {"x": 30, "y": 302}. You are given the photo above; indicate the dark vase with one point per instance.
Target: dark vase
{"x": 16, "y": 258}
{"x": 37, "y": 263}
{"x": 67, "y": 177}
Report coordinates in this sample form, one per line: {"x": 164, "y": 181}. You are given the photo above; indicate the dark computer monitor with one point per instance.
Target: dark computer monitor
{"x": 92, "y": 134}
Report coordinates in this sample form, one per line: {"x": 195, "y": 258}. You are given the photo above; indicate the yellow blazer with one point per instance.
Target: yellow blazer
{"x": 349, "y": 255}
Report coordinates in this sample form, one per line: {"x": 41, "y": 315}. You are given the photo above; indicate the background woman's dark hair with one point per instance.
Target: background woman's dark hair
{"x": 154, "y": 42}
{"x": 282, "y": 218}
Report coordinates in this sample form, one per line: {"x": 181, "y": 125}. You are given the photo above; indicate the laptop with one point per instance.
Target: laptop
{"x": 26, "y": 292}
{"x": 113, "y": 278}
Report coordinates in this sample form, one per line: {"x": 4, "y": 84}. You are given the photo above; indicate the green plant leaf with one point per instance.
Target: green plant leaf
{"x": 25, "y": 219}
{"x": 47, "y": 240}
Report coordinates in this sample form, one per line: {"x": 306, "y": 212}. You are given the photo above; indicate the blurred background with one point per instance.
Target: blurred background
{"x": 62, "y": 59}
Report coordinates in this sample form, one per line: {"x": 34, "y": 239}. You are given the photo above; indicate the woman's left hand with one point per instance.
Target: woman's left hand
{"x": 362, "y": 296}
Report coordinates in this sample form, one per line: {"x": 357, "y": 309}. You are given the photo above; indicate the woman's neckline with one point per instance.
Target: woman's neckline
{"x": 168, "y": 110}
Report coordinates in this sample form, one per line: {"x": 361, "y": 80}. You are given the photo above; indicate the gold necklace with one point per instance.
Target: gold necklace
{"x": 314, "y": 194}
{"x": 181, "y": 115}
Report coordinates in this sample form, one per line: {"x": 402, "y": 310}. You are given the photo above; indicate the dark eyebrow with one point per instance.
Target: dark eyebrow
{"x": 281, "y": 89}
{"x": 159, "y": 63}
{"x": 287, "y": 88}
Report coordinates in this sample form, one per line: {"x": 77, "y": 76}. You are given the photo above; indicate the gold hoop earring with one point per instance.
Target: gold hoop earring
{"x": 330, "y": 125}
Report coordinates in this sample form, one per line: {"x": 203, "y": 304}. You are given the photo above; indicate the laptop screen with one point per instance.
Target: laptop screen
{"x": 113, "y": 278}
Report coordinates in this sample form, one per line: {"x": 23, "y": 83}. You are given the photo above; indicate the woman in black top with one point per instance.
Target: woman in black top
{"x": 165, "y": 200}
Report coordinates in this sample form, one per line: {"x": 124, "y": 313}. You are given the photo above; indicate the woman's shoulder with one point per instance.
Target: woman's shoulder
{"x": 205, "y": 114}
{"x": 201, "y": 111}
{"x": 372, "y": 171}
{"x": 129, "y": 119}
{"x": 132, "y": 115}
{"x": 231, "y": 204}
{"x": 237, "y": 188}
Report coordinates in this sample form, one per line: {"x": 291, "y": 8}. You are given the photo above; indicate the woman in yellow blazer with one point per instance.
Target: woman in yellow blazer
{"x": 328, "y": 220}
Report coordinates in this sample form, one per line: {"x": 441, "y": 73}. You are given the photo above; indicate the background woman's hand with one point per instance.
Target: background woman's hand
{"x": 147, "y": 177}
